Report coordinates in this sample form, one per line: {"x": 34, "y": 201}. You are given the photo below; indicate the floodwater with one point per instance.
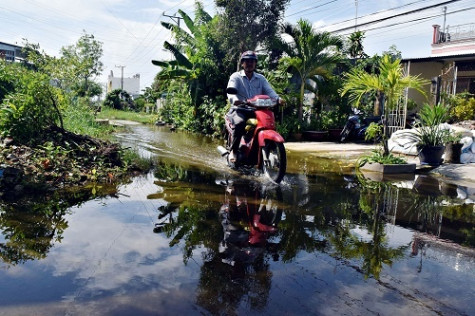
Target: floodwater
{"x": 194, "y": 238}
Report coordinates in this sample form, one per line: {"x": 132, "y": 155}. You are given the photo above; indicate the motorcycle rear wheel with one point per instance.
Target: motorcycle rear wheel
{"x": 345, "y": 133}
{"x": 274, "y": 161}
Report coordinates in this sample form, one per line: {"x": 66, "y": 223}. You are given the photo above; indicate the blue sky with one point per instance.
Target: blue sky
{"x": 132, "y": 35}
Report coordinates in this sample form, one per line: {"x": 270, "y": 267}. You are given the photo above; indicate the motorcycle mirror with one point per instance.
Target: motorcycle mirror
{"x": 231, "y": 90}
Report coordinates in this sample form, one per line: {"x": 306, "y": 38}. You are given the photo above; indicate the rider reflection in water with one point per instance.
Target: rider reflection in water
{"x": 247, "y": 224}
{"x": 248, "y": 84}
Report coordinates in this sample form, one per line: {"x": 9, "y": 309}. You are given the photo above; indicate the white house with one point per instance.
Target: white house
{"x": 130, "y": 85}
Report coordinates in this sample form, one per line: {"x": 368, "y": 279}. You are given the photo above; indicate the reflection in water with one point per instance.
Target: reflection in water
{"x": 240, "y": 272}
{"x": 31, "y": 226}
{"x": 324, "y": 242}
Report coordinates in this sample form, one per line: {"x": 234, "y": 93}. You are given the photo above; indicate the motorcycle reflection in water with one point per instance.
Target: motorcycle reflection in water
{"x": 249, "y": 218}
{"x": 236, "y": 263}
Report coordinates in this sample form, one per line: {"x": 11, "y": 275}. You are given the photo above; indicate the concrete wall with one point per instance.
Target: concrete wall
{"x": 425, "y": 70}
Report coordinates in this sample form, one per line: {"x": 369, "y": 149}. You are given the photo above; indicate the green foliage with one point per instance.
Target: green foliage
{"x": 83, "y": 62}
{"x": 178, "y": 108}
{"x": 197, "y": 57}
{"x": 7, "y": 78}
{"x": 335, "y": 118}
{"x": 389, "y": 84}
{"x": 244, "y": 25}
{"x": 311, "y": 56}
{"x": 211, "y": 116}
{"x": 354, "y": 45}
{"x": 141, "y": 117}
{"x": 290, "y": 125}
{"x": 373, "y": 131}
{"x": 140, "y": 103}
{"x": 462, "y": 106}
{"x": 120, "y": 100}
{"x": 30, "y": 105}
{"x": 80, "y": 118}
{"x": 378, "y": 156}
{"x": 428, "y": 131}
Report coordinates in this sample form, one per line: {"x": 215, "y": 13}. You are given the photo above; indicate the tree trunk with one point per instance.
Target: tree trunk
{"x": 302, "y": 94}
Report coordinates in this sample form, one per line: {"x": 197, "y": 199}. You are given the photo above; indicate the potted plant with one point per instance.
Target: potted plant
{"x": 430, "y": 136}
{"x": 453, "y": 148}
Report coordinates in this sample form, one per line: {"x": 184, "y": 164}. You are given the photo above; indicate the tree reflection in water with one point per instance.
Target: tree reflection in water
{"x": 346, "y": 221}
{"x": 31, "y": 226}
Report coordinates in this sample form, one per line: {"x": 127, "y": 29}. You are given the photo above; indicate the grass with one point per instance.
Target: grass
{"x": 141, "y": 117}
{"x": 80, "y": 119}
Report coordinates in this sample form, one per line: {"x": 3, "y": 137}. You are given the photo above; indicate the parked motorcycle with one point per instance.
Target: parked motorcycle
{"x": 355, "y": 127}
{"x": 261, "y": 146}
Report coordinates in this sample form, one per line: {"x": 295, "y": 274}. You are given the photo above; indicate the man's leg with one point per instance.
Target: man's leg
{"x": 239, "y": 120}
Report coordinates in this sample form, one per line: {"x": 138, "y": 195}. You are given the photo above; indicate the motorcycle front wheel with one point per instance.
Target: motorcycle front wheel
{"x": 274, "y": 160}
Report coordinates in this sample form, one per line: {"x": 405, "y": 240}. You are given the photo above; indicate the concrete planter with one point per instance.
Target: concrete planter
{"x": 389, "y": 169}
{"x": 381, "y": 172}
{"x": 315, "y": 136}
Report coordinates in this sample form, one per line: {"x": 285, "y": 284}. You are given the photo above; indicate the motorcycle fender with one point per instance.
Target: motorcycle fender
{"x": 271, "y": 135}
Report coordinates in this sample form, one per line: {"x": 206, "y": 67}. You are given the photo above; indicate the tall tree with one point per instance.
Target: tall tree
{"x": 310, "y": 55}
{"x": 246, "y": 24}
{"x": 389, "y": 83}
{"x": 83, "y": 61}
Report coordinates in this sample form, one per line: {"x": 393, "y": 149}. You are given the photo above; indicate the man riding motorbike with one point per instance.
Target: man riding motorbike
{"x": 248, "y": 84}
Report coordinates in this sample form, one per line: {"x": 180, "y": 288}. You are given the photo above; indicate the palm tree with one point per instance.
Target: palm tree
{"x": 390, "y": 84}
{"x": 355, "y": 45}
{"x": 310, "y": 55}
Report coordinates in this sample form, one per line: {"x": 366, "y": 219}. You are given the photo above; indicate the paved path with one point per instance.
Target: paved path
{"x": 460, "y": 174}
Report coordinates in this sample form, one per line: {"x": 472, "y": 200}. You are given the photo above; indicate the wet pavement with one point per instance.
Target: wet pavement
{"x": 461, "y": 174}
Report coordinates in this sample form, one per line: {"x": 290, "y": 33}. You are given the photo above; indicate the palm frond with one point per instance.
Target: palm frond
{"x": 182, "y": 59}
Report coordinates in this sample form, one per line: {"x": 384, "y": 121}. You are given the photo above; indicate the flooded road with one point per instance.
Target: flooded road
{"x": 193, "y": 237}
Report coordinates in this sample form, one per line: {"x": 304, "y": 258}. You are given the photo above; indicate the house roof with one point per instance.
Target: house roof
{"x": 459, "y": 57}
{"x": 13, "y": 45}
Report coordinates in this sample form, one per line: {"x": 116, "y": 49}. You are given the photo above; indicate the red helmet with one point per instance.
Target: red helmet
{"x": 248, "y": 55}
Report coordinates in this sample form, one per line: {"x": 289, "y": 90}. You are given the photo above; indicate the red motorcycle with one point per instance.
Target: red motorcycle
{"x": 261, "y": 146}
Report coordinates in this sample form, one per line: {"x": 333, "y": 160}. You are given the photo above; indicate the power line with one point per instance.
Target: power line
{"x": 312, "y": 8}
{"x": 380, "y": 12}
{"x": 396, "y": 15}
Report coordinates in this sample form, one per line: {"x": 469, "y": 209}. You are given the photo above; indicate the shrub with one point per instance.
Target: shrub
{"x": 29, "y": 105}
{"x": 120, "y": 100}
{"x": 462, "y": 106}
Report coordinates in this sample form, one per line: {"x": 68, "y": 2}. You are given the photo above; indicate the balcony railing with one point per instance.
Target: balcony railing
{"x": 458, "y": 33}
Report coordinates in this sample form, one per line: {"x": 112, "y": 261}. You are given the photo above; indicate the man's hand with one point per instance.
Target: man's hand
{"x": 281, "y": 102}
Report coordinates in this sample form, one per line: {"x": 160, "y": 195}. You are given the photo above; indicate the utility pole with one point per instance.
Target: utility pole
{"x": 445, "y": 18}
{"x": 121, "y": 76}
{"x": 174, "y": 18}
{"x": 356, "y": 14}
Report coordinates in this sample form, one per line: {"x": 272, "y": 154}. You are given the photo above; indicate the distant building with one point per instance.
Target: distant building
{"x": 10, "y": 52}
{"x": 130, "y": 85}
